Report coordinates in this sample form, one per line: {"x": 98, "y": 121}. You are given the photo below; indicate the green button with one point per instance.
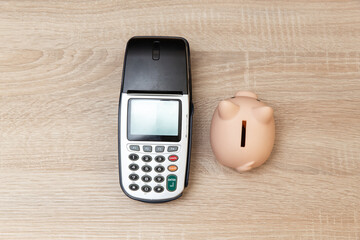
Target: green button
{"x": 171, "y": 183}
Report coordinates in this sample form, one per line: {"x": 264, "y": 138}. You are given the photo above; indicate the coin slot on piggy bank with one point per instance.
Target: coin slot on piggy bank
{"x": 243, "y": 133}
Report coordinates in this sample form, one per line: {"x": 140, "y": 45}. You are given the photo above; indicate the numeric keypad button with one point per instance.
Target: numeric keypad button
{"x": 133, "y": 167}
{"x": 172, "y": 148}
{"x": 159, "y": 149}
{"x": 158, "y": 189}
{"x": 133, "y": 177}
{"x": 147, "y": 148}
{"x": 146, "y": 178}
{"x": 159, "y": 179}
{"x": 133, "y": 157}
{"x": 159, "y": 159}
{"x": 172, "y": 168}
{"x": 146, "y": 168}
{"x": 173, "y": 158}
{"x": 146, "y": 188}
{"x": 171, "y": 182}
{"x": 134, "y": 187}
{"x": 146, "y": 158}
{"x": 134, "y": 147}
{"x": 159, "y": 169}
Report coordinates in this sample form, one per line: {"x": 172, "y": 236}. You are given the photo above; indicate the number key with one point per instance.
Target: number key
{"x": 146, "y": 158}
{"x": 146, "y": 178}
{"x": 159, "y": 179}
{"x": 159, "y": 159}
{"x": 159, "y": 169}
{"x": 146, "y": 168}
{"x": 133, "y": 167}
{"x": 133, "y": 157}
{"x": 146, "y": 188}
{"x": 134, "y": 177}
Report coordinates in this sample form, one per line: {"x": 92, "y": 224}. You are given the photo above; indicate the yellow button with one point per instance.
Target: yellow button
{"x": 172, "y": 168}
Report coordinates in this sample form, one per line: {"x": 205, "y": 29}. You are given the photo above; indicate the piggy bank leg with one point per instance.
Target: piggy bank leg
{"x": 245, "y": 167}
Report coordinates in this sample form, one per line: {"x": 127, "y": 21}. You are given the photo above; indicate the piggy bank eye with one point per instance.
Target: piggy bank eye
{"x": 227, "y": 109}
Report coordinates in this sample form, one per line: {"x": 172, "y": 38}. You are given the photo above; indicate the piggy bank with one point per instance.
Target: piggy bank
{"x": 242, "y": 132}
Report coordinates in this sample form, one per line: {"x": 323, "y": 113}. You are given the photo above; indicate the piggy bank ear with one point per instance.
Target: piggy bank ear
{"x": 264, "y": 113}
{"x": 227, "y": 109}
{"x": 245, "y": 94}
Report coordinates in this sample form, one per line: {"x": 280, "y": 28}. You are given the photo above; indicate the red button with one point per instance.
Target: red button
{"x": 173, "y": 158}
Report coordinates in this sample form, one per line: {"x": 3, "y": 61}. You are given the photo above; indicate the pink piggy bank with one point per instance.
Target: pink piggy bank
{"x": 242, "y": 132}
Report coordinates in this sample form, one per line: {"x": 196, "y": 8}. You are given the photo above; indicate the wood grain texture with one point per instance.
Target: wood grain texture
{"x": 60, "y": 72}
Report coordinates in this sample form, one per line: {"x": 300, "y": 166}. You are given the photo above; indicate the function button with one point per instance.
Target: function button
{"x": 146, "y": 188}
{"x": 146, "y": 168}
{"x": 133, "y": 177}
{"x": 133, "y": 167}
{"x": 133, "y": 157}
{"x": 158, "y": 189}
{"x": 159, "y": 169}
{"x": 171, "y": 183}
{"x": 172, "y": 148}
{"x": 146, "y": 158}
{"x": 172, "y": 168}
{"x": 159, "y": 159}
{"x": 134, "y": 147}
{"x": 159, "y": 179}
{"x": 159, "y": 149}
{"x": 134, "y": 187}
{"x": 146, "y": 178}
{"x": 147, "y": 148}
{"x": 173, "y": 158}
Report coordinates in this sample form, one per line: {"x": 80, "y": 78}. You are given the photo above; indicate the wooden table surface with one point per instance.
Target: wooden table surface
{"x": 60, "y": 73}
